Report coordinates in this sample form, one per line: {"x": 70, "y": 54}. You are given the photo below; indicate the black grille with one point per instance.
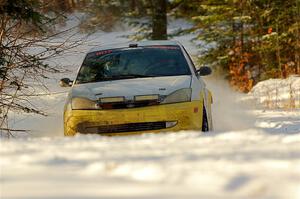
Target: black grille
{"x": 121, "y": 128}
{"x": 129, "y": 104}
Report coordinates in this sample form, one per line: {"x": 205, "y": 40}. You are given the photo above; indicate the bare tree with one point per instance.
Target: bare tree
{"x": 25, "y": 45}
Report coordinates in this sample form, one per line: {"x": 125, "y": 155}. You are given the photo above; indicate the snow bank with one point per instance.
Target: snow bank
{"x": 277, "y": 93}
{"x": 235, "y": 164}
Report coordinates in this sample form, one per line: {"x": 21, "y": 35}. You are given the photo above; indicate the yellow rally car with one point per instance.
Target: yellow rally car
{"x": 150, "y": 86}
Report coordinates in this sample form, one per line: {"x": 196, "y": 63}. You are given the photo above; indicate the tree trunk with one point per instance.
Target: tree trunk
{"x": 242, "y": 28}
{"x": 282, "y": 72}
{"x": 133, "y": 5}
{"x": 297, "y": 47}
{"x": 61, "y": 5}
{"x": 159, "y": 20}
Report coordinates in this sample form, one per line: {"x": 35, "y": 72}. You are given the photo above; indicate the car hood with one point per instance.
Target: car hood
{"x": 131, "y": 87}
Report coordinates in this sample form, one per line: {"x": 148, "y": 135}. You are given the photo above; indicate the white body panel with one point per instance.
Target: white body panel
{"x": 131, "y": 87}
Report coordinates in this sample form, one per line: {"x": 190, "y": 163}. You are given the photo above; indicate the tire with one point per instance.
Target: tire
{"x": 205, "y": 127}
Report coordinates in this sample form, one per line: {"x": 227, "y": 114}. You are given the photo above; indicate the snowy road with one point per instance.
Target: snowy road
{"x": 239, "y": 164}
{"x": 251, "y": 154}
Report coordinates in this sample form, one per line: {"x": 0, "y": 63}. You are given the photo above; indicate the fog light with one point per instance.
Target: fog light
{"x": 112, "y": 100}
{"x": 171, "y": 124}
{"x": 146, "y": 98}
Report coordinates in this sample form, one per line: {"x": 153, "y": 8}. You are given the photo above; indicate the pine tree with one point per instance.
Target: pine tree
{"x": 250, "y": 40}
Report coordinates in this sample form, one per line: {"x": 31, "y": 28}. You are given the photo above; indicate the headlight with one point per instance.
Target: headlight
{"x": 80, "y": 103}
{"x": 182, "y": 95}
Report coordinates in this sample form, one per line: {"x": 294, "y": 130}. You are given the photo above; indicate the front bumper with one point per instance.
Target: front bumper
{"x": 188, "y": 116}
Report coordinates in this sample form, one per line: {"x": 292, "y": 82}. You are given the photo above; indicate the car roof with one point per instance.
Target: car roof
{"x": 140, "y": 43}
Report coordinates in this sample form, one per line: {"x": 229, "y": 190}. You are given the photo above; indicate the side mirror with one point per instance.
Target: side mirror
{"x": 204, "y": 71}
{"x": 65, "y": 82}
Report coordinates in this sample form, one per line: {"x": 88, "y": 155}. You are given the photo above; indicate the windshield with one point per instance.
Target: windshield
{"x": 126, "y": 63}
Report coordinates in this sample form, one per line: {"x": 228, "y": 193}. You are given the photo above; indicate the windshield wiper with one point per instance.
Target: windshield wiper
{"x": 136, "y": 75}
{"x": 117, "y": 77}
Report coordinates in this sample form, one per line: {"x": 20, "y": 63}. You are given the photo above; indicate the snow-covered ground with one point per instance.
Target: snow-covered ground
{"x": 253, "y": 153}
{"x": 277, "y": 93}
{"x": 235, "y": 164}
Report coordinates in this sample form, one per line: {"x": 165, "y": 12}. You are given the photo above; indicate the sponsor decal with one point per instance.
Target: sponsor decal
{"x": 103, "y": 52}
{"x": 164, "y": 47}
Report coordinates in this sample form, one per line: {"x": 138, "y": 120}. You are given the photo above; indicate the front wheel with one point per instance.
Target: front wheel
{"x": 205, "y": 127}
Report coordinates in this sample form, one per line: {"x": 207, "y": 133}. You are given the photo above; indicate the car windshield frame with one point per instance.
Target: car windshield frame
{"x": 172, "y": 55}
